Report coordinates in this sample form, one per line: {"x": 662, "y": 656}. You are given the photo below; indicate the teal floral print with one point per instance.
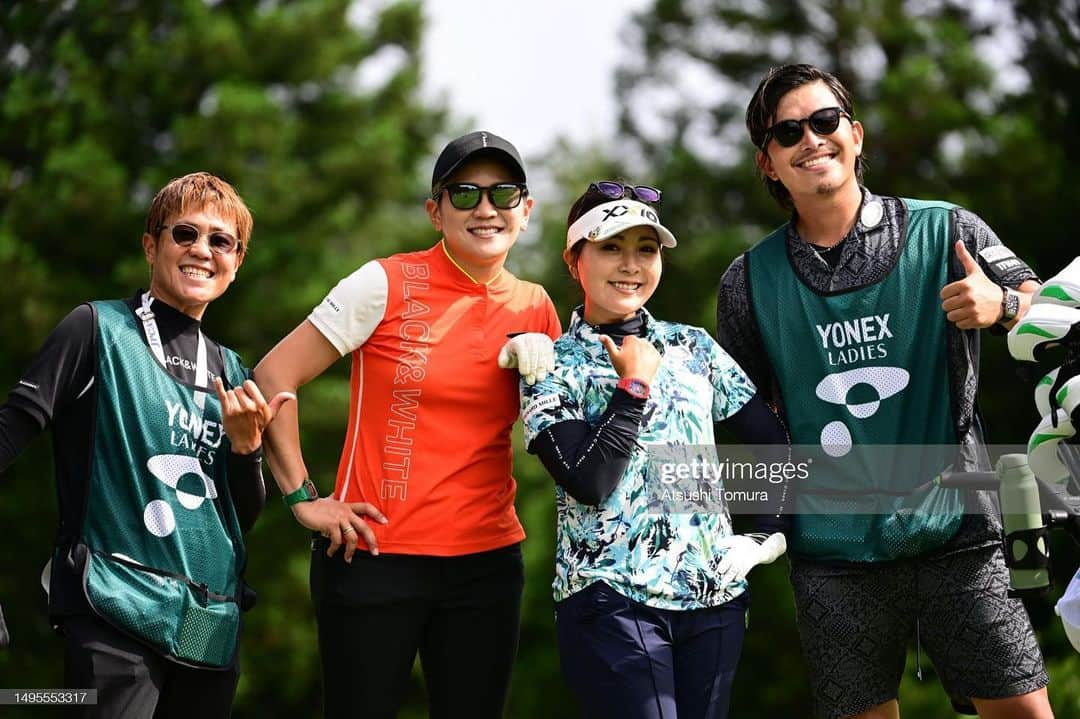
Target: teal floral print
{"x": 631, "y": 541}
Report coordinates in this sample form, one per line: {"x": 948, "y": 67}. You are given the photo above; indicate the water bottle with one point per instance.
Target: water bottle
{"x": 1021, "y": 510}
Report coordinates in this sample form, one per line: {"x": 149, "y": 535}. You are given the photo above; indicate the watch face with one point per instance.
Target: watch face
{"x": 1012, "y": 305}
{"x": 635, "y": 388}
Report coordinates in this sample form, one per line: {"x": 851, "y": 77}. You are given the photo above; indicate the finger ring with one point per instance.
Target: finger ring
{"x": 348, "y": 529}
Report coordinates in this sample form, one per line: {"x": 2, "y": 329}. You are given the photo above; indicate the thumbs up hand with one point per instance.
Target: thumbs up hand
{"x": 636, "y": 358}
{"x": 975, "y": 301}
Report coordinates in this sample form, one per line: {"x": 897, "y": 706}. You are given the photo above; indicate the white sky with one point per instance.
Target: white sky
{"x": 529, "y": 71}
{"x": 541, "y": 69}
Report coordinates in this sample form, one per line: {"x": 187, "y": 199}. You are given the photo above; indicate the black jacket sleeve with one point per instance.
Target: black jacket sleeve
{"x": 589, "y": 460}
{"x": 757, "y": 424}
{"x": 17, "y": 429}
{"x": 247, "y": 487}
{"x": 61, "y": 371}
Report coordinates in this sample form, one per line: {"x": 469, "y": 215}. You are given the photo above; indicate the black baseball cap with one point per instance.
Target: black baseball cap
{"x": 464, "y": 147}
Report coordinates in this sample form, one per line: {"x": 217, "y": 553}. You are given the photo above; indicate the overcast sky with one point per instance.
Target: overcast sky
{"x": 530, "y": 71}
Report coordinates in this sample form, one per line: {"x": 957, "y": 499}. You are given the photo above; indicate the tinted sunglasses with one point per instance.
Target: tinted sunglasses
{"x": 221, "y": 243}
{"x": 466, "y": 196}
{"x": 788, "y": 132}
{"x": 617, "y": 191}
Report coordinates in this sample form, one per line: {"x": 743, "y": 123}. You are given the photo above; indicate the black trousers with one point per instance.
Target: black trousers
{"x": 135, "y": 682}
{"x": 627, "y": 660}
{"x": 461, "y": 614}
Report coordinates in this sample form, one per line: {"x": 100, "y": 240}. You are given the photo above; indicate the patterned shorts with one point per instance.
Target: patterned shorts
{"x": 856, "y": 623}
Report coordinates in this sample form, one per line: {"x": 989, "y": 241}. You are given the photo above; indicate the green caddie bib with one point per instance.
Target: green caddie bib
{"x": 863, "y": 376}
{"x": 163, "y": 547}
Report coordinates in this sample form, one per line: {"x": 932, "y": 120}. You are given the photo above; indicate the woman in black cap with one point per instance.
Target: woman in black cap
{"x": 427, "y": 451}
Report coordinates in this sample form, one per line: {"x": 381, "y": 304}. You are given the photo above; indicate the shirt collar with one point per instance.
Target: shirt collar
{"x": 871, "y": 215}
{"x": 591, "y": 333}
{"x": 171, "y": 320}
{"x": 499, "y": 282}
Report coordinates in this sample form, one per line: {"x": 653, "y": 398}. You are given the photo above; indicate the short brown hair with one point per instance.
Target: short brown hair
{"x": 761, "y": 112}
{"x": 196, "y": 190}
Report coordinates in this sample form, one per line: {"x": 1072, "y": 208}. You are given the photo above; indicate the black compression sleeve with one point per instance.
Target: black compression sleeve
{"x": 17, "y": 429}
{"x": 61, "y": 370}
{"x": 589, "y": 460}
{"x": 756, "y": 424}
{"x": 247, "y": 487}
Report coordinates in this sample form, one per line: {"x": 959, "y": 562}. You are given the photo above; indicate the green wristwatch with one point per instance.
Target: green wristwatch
{"x": 306, "y": 493}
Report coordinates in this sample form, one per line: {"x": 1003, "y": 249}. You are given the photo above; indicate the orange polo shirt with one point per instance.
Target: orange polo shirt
{"x": 428, "y": 440}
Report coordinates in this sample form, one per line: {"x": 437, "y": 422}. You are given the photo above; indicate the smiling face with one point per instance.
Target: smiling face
{"x": 818, "y": 166}
{"x": 618, "y": 274}
{"x": 190, "y": 278}
{"x": 479, "y": 239}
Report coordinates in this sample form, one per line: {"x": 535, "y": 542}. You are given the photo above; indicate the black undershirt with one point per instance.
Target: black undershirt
{"x": 830, "y": 255}
{"x": 588, "y": 460}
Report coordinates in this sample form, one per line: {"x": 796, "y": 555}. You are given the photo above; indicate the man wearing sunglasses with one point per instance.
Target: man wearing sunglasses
{"x": 157, "y": 432}
{"x": 427, "y": 458}
{"x": 860, "y": 318}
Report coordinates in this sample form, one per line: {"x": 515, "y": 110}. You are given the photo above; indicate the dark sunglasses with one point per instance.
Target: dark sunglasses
{"x": 788, "y": 132}
{"x": 466, "y": 196}
{"x": 221, "y": 243}
{"x": 617, "y": 191}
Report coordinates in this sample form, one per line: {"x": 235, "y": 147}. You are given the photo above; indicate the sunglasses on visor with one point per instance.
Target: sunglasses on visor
{"x": 617, "y": 191}
{"x": 466, "y": 196}
{"x": 221, "y": 243}
{"x": 789, "y": 132}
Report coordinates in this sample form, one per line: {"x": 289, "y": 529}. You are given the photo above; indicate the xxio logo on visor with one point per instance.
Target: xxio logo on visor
{"x": 617, "y": 212}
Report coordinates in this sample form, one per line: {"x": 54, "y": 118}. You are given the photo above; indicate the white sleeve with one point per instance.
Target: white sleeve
{"x": 353, "y": 309}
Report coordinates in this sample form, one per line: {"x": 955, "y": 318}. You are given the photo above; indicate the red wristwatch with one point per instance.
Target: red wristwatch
{"x": 636, "y": 388}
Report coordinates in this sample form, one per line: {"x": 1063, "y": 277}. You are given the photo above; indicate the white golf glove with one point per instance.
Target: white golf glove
{"x": 533, "y": 353}
{"x": 744, "y": 553}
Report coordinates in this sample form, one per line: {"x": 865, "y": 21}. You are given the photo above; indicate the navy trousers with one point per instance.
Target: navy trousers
{"x": 625, "y": 659}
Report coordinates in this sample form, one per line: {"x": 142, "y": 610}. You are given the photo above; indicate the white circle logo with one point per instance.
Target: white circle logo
{"x": 173, "y": 470}
{"x": 836, "y": 439}
{"x": 159, "y": 518}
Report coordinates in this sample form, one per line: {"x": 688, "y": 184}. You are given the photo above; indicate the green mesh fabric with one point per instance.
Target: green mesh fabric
{"x": 865, "y": 367}
{"x": 158, "y": 498}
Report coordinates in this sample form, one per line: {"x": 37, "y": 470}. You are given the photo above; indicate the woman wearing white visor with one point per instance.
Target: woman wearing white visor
{"x": 650, "y": 594}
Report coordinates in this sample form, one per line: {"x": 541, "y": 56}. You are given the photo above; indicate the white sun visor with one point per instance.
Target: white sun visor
{"x": 612, "y": 218}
